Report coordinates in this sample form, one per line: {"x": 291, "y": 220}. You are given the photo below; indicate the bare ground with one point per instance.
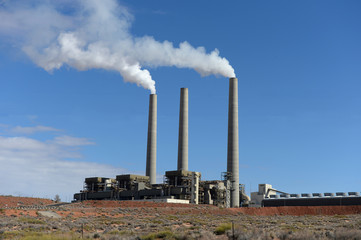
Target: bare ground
{"x": 31, "y": 218}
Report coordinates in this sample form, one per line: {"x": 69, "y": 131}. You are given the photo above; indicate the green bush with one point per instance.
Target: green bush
{"x": 162, "y": 235}
{"x": 223, "y": 228}
{"x": 40, "y": 236}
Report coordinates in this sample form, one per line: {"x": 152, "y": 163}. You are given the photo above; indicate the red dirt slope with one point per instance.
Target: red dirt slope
{"x": 10, "y": 201}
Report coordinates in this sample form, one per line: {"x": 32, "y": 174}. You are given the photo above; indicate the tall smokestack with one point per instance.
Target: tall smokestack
{"x": 183, "y": 131}
{"x": 233, "y": 151}
{"x": 152, "y": 139}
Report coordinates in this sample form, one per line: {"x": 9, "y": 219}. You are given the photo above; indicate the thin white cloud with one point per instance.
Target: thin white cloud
{"x": 71, "y": 141}
{"x": 20, "y": 143}
{"x": 31, "y": 167}
{"x": 32, "y": 130}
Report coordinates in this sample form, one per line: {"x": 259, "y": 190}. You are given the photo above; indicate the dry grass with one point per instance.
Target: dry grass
{"x": 223, "y": 228}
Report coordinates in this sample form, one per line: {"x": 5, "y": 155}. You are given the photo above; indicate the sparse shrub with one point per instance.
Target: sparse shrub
{"x": 57, "y": 198}
{"x": 340, "y": 216}
{"x": 155, "y": 221}
{"x": 252, "y": 235}
{"x": 345, "y": 234}
{"x": 300, "y": 235}
{"x": 160, "y": 235}
{"x": 289, "y": 228}
{"x": 117, "y": 232}
{"x": 285, "y": 235}
{"x": 194, "y": 228}
{"x": 11, "y": 234}
{"x": 116, "y": 238}
{"x": 31, "y": 220}
{"x": 87, "y": 228}
{"x": 172, "y": 217}
{"x": 223, "y": 228}
{"x": 40, "y": 236}
{"x": 96, "y": 235}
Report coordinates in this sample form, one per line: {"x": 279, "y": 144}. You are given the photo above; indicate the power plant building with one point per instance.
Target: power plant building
{"x": 184, "y": 186}
{"x": 180, "y": 184}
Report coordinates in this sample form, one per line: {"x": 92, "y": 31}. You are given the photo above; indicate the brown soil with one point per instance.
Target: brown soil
{"x": 10, "y": 201}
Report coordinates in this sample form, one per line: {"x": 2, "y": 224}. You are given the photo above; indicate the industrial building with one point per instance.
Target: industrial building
{"x": 184, "y": 186}
{"x": 180, "y": 185}
{"x": 270, "y": 197}
{"x": 314, "y": 199}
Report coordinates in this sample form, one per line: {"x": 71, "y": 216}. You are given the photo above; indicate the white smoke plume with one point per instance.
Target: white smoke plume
{"x": 86, "y": 34}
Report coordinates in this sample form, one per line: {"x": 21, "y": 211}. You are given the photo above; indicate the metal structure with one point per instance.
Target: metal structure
{"x": 183, "y": 184}
{"x": 227, "y": 179}
{"x": 96, "y": 184}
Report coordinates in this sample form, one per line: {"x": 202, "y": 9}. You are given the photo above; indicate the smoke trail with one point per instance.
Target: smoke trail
{"x": 95, "y": 34}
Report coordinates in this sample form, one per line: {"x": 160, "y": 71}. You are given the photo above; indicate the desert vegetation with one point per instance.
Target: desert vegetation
{"x": 112, "y": 220}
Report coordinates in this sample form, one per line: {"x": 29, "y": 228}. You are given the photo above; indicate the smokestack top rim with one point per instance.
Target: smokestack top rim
{"x": 233, "y": 78}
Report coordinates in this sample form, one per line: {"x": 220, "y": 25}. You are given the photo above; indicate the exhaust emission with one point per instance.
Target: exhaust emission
{"x": 98, "y": 35}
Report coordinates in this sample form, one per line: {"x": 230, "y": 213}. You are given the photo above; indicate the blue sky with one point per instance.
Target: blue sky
{"x": 298, "y": 65}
